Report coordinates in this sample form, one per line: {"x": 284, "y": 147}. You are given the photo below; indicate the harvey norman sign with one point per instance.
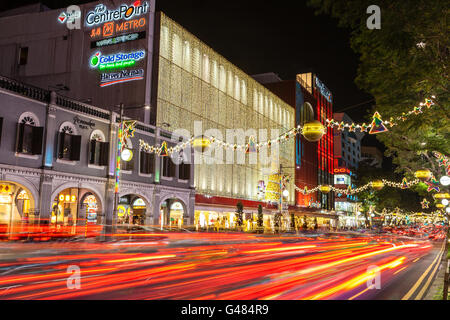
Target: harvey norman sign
{"x": 101, "y": 14}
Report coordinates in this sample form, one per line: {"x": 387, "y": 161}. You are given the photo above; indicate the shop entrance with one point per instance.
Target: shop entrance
{"x": 131, "y": 210}
{"x": 74, "y": 206}
{"x": 172, "y": 213}
{"x": 16, "y": 205}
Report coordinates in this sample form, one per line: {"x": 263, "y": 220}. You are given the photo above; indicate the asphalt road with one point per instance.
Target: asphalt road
{"x": 414, "y": 282}
{"x": 221, "y": 266}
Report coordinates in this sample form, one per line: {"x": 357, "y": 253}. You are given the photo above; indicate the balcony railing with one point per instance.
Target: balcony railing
{"x": 25, "y": 89}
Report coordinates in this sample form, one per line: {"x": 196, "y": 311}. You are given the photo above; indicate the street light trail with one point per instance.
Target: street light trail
{"x": 207, "y": 266}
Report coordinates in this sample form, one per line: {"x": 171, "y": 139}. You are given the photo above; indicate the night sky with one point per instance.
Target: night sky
{"x": 284, "y": 37}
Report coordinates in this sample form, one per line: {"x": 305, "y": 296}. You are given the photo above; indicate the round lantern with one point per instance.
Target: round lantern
{"x": 126, "y": 155}
{"x": 201, "y": 144}
{"x": 423, "y": 174}
{"x": 440, "y": 206}
{"x": 442, "y": 196}
{"x": 325, "y": 189}
{"x": 313, "y": 131}
{"x": 377, "y": 185}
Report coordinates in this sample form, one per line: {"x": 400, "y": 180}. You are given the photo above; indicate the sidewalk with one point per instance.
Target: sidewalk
{"x": 435, "y": 290}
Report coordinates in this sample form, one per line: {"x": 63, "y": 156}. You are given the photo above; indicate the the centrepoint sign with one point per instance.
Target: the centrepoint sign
{"x": 101, "y": 14}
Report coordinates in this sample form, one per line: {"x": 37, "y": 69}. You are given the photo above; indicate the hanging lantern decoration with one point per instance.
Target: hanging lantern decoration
{"x": 442, "y": 196}
{"x": 201, "y": 144}
{"x": 377, "y": 185}
{"x": 325, "y": 189}
{"x": 423, "y": 174}
{"x": 440, "y": 206}
{"x": 313, "y": 131}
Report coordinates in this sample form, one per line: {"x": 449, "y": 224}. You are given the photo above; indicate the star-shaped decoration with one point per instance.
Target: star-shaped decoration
{"x": 432, "y": 186}
{"x": 352, "y": 128}
{"x": 341, "y": 126}
{"x": 417, "y": 110}
{"x": 364, "y": 127}
{"x": 429, "y": 103}
{"x": 425, "y": 204}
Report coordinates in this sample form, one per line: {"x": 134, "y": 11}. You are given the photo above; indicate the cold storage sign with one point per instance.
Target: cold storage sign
{"x": 115, "y": 61}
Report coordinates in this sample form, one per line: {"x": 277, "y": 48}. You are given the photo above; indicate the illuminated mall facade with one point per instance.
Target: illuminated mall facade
{"x": 168, "y": 80}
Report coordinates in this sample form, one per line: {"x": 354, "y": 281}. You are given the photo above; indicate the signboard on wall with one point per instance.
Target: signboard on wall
{"x": 323, "y": 90}
{"x": 119, "y": 36}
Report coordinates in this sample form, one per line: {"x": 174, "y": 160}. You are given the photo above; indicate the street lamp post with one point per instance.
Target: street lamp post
{"x": 121, "y": 135}
{"x": 446, "y": 261}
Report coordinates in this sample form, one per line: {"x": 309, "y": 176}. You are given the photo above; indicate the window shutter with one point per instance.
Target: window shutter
{"x": 38, "y": 135}
{"x": 143, "y": 162}
{"x": 75, "y": 148}
{"x": 185, "y": 171}
{"x": 104, "y": 153}
{"x": 61, "y": 145}
{"x": 19, "y": 144}
{"x": 93, "y": 147}
{"x": 151, "y": 162}
{"x": 172, "y": 167}
{"x": 1, "y": 129}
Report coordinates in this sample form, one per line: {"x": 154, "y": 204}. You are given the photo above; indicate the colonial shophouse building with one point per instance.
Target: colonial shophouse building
{"x": 57, "y": 162}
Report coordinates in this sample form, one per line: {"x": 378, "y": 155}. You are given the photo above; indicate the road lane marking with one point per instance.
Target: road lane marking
{"x": 416, "y": 260}
{"x": 417, "y": 284}
{"x": 399, "y": 270}
{"x": 427, "y": 284}
{"x": 358, "y": 294}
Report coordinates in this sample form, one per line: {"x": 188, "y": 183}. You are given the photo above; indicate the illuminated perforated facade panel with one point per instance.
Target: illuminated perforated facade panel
{"x": 197, "y": 84}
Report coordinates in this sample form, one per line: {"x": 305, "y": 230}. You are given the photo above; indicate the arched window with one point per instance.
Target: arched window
{"x": 99, "y": 149}
{"x": 29, "y": 134}
{"x": 69, "y": 142}
{"x": 98, "y": 135}
{"x": 69, "y": 128}
{"x": 29, "y": 118}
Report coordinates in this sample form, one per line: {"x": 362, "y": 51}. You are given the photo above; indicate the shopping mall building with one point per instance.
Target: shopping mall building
{"x": 166, "y": 78}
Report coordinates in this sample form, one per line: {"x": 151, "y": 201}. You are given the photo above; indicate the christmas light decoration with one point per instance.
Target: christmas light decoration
{"x": 377, "y": 185}
{"x": 313, "y": 131}
{"x": 163, "y": 151}
{"x": 325, "y": 189}
{"x": 251, "y": 146}
{"x": 423, "y": 174}
{"x": 273, "y": 191}
{"x": 425, "y": 204}
{"x": 377, "y": 124}
{"x": 349, "y": 191}
{"x": 433, "y": 184}
{"x": 201, "y": 144}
